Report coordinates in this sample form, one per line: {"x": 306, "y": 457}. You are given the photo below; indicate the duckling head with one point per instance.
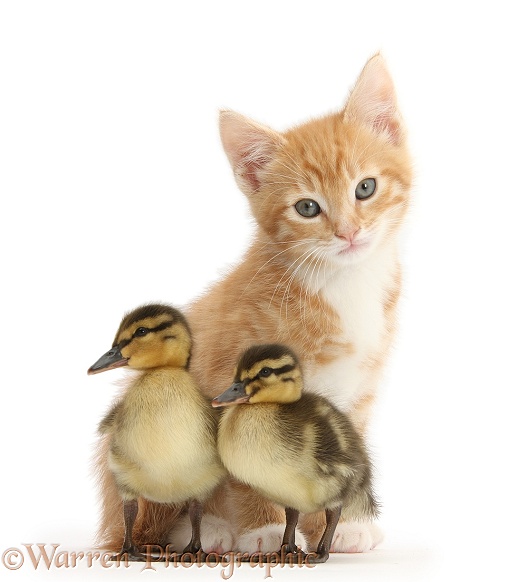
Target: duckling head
{"x": 265, "y": 373}
{"x": 150, "y": 336}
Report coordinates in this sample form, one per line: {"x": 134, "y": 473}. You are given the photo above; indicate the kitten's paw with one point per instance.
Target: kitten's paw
{"x": 356, "y": 537}
{"x": 266, "y": 539}
{"x": 216, "y": 535}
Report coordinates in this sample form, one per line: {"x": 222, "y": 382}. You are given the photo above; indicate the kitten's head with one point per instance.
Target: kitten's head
{"x": 331, "y": 189}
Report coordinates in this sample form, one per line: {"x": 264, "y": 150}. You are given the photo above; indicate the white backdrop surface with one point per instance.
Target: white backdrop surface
{"x": 115, "y": 191}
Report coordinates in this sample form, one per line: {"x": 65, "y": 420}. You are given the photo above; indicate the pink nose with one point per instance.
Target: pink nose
{"x": 348, "y": 235}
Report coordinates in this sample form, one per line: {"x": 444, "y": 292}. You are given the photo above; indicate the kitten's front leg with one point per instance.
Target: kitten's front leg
{"x": 350, "y": 536}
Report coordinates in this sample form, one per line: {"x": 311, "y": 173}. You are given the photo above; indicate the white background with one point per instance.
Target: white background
{"x": 114, "y": 191}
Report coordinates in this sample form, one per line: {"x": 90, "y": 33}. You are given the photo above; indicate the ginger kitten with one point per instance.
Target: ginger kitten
{"x": 322, "y": 276}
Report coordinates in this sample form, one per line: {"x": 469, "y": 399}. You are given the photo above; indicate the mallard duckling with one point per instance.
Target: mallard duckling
{"x": 295, "y": 448}
{"x": 163, "y": 430}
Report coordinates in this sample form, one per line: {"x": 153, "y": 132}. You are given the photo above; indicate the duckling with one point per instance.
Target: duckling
{"x": 163, "y": 430}
{"x": 295, "y": 448}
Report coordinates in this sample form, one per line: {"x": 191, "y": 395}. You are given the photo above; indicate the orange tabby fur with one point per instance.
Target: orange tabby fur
{"x": 278, "y": 292}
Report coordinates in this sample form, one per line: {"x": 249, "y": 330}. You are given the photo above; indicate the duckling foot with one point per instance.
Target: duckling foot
{"x": 322, "y": 553}
{"x": 295, "y": 551}
{"x": 192, "y": 549}
{"x": 318, "y": 558}
{"x": 129, "y": 550}
{"x": 131, "y": 554}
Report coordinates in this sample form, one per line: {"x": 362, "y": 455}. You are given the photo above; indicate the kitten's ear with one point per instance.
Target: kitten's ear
{"x": 249, "y": 147}
{"x": 373, "y": 101}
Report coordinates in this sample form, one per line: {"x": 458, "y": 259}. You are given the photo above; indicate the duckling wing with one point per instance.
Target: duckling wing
{"x": 333, "y": 455}
{"x": 304, "y": 455}
{"x": 108, "y": 421}
{"x": 324, "y": 435}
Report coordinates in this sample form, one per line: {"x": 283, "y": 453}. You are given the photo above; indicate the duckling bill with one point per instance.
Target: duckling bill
{"x": 295, "y": 448}
{"x": 110, "y": 360}
{"x": 162, "y": 432}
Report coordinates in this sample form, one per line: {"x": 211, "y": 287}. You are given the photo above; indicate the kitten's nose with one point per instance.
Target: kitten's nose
{"x": 347, "y": 234}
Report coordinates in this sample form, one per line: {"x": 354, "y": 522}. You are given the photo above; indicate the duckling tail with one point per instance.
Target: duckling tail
{"x": 362, "y": 505}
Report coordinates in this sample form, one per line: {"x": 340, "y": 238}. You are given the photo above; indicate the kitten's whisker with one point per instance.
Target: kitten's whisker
{"x": 272, "y": 193}
{"x": 303, "y": 293}
{"x": 285, "y": 273}
{"x": 364, "y": 161}
{"x": 297, "y": 170}
{"x": 270, "y": 260}
{"x": 352, "y": 157}
{"x": 305, "y": 290}
{"x": 325, "y": 278}
{"x": 321, "y": 260}
{"x": 273, "y": 182}
{"x": 271, "y": 175}
{"x": 290, "y": 281}
{"x": 287, "y": 242}
{"x": 288, "y": 277}
{"x": 259, "y": 247}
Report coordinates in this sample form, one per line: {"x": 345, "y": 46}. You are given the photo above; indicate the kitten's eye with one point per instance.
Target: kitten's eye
{"x": 140, "y": 331}
{"x": 307, "y": 208}
{"x": 265, "y": 372}
{"x": 365, "y": 189}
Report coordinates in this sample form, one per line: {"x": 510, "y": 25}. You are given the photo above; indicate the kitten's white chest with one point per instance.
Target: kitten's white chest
{"x": 358, "y": 296}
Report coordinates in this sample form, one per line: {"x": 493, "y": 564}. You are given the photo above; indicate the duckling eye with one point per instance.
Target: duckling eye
{"x": 140, "y": 331}
{"x": 265, "y": 372}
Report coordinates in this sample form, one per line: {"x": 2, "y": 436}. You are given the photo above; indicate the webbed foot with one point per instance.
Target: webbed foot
{"x": 318, "y": 558}
{"x": 131, "y": 554}
{"x": 288, "y": 550}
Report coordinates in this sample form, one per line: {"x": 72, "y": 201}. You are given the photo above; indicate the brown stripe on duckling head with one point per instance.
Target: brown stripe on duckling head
{"x": 277, "y": 357}
{"x": 152, "y": 318}
{"x": 151, "y": 311}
